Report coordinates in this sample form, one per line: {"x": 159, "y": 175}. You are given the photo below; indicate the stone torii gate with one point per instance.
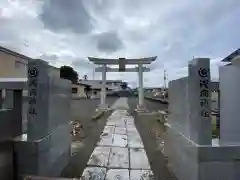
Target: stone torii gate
{"x": 122, "y": 68}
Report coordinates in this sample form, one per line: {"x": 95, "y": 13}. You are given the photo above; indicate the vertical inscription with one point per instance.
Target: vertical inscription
{"x": 204, "y": 75}
{"x": 32, "y": 88}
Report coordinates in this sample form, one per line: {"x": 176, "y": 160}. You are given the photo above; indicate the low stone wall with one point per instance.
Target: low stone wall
{"x": 6, "y": 160}
{"x": 189, "y": 146}
{"x": 6, "y": 147}
{"x": 190, "y": 161}
{"x": 47, "y": 156}
{"x": 160, "y": 100}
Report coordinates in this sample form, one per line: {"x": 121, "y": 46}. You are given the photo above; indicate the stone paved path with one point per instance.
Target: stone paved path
{"x": 120, "y": 153}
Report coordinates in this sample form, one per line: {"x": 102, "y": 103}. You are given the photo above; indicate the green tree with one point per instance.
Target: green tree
{"x": 67, "y": 72}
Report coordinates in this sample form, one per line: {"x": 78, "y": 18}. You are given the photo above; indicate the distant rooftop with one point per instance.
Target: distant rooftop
{"x": 53, "y": 67}
{"x": 230, "y": 57}
{"x": 153, "y": 87}
{"x": 82, "y": 80}
{"x": 13, "y": 53}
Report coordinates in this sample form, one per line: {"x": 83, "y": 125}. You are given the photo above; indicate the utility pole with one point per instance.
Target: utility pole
{"x": 93, "y": 73}
{"x": 165, "y": 79}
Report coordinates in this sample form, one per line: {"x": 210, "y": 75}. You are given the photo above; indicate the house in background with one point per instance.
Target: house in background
{"x": 111, "y": 85}
{"x": 14, "y": 65}
{"x": 78, "y": 90}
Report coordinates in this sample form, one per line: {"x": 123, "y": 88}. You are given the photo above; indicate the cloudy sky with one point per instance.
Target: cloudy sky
{"x": 66, "y": 32}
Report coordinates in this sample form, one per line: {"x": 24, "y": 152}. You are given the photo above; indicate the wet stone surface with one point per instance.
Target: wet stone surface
{"x": 141, "y": 175}
{"x": 119, "y": 140}
{"x": 118, "y": 174}
{"x": 105, "y": 140}
{"x": 134, "y": 141}
{"x": 119, "y": 153}
{"x": 138, "y": 159}
{"x": 99, "y": 157}
{"x": 119, "y": 158}
{"x": 108, "y": 130}
{"x": 120, "y": 130}
{"x": 94, "y": 173}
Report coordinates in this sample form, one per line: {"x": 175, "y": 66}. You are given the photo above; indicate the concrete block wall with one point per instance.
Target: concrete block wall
{"x": 47, "y": 156}
{"x": 190, "y": 161}
{"x": 178, "y": 147}
{"x": 59, "y": 102}
{"x": 10, "y": 126}
{"x": 181, "y": 154}
{"x": 6, "y": 147}
{"x": 6, "y": 122}
{"x": 229, "y": 100}
{"x": 192, "y": 155}
{"x": 6, "y": 160}
{"x": 178, "y": 106}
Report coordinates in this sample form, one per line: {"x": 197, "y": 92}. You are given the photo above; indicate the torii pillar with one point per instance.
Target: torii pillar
{"x": 122, "y": 68}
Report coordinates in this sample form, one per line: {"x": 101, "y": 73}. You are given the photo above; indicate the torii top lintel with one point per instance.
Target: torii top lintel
{"x": 122, "y": 61}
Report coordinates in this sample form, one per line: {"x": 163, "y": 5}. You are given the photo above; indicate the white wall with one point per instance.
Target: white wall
{"x": 229, "y": 109}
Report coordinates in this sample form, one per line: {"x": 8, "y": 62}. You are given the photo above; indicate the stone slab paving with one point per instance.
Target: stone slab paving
{"x": 119, "y": 153}
{"x": 99, "y": 156}
{"x": 118, "y": 158}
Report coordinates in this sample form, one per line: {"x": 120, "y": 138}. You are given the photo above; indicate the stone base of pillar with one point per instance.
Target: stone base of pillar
{"x": 141, "y": 108}
{"x": 103, "y": 107}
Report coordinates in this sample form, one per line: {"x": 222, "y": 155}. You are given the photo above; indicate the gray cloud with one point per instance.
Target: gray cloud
{"x": 49, "y": 57}
{"x": 62, "y": 15}
{"x": 76, "y": 62}
{"x": 81, "y": 63}
{"x": 109, "y": 42}
{"x": 175, "y": 32}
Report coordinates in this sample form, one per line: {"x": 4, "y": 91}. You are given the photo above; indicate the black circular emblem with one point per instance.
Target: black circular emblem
{"x": 33, "y": 72}
{"x": 203, "y": 72}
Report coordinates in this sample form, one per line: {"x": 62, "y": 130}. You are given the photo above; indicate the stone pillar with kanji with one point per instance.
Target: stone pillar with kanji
{"x": 199, "y": 100}
{"x": 38, "y": 94}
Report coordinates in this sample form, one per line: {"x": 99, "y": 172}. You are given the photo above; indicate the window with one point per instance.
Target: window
{"x": 19, "y": 64}
{"x": 74, "y": 90}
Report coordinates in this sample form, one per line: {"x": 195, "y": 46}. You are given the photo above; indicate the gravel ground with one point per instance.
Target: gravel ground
{"x": 83, "y": 110}
{"x": 152, "y": 134}
{"x": 154, "y": 106}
